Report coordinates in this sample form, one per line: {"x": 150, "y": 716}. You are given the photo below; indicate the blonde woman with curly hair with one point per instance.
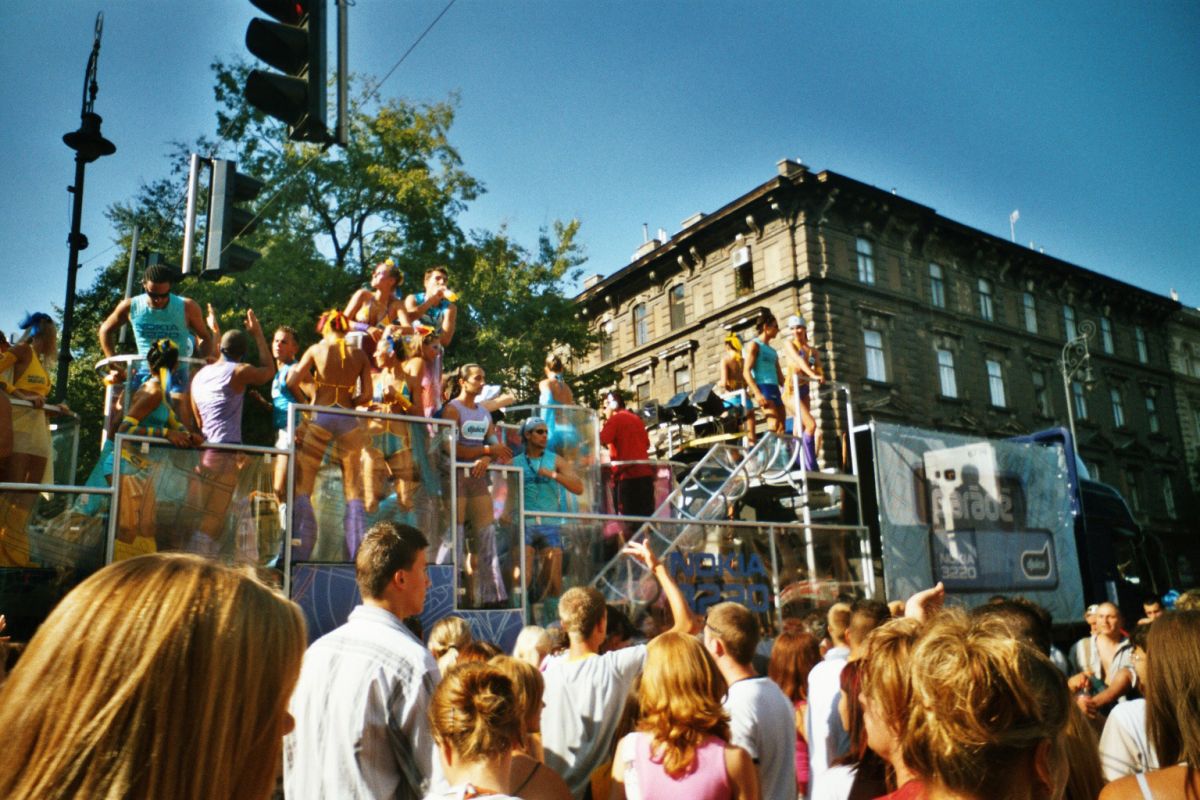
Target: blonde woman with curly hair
{"x": 886, "y": 699}
{"x": 162, "y": 676}
{"x": 681, "y": 747}
{"x": 988, "y": 714}
{"x": 476, "y": 725}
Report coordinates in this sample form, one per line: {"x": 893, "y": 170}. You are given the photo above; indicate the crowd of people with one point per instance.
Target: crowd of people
{"x": 198, "y": 685}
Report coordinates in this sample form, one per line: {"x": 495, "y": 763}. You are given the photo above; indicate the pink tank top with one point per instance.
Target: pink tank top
{"x": 707, "y": 781}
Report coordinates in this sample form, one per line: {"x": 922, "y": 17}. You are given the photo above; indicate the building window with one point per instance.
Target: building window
{"x": 1069, "y": 331}
{"x": 1079, "y": 398}
{"x": 1106, "y": 336}
{"x": 866, "y": 261}
{"x": 641, "y": 325}
{"x": 1139, "y": 336}
{"x": 642, "y": 391}
{"x": 1029, "y": 306}
{"x": 1152, "y": 414}
{"x": 876, "y": 364}
{"x": 683, "y": 380}
{"x": 1041, "y": 395}
{"x": 1118, "y": 407}
{"x": 946, "y": 378}
{"x": 986, "y": 310}
{"x": 606, "y": 340}
{"x": 743, "y": 277}
{"x": 996, "y": 383}
{"x": 675, "y": 301}
{"x": 1131, "y": 491}
{"x": 1168, "y": 496}
{"x": 937, "y": 286}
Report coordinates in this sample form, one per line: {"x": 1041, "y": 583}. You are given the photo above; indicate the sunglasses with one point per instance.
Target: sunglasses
{"x": 158, "y": 295}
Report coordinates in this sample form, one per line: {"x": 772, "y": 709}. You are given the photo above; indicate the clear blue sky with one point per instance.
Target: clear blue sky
{"x": 1083, "y": 115}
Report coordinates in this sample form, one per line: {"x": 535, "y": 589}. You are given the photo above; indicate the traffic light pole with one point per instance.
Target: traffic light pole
{"x": 341, "y": 136}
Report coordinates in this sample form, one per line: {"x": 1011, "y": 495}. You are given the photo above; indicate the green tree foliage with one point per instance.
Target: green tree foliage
{"x": 325, "y": 218}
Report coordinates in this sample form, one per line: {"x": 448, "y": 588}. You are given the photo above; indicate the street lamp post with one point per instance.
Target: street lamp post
{"x": 89, "y": 145}
{"x": 1075, "y": 357}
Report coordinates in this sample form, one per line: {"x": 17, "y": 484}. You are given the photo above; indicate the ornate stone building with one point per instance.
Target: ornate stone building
{"x": 929, "y": 321}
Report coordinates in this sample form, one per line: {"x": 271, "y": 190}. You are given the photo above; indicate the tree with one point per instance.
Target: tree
{"x": 325, "y": 218}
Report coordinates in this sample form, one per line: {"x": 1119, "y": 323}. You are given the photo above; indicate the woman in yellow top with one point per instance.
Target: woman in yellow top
{"x": 30, "y": 458}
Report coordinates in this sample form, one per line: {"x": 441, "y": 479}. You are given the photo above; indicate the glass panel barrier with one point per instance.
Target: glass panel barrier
{"x": 215, "y": 500}
{"x": 51, "y": 538}
{"x": 489, "y": 539}
{"x": 763, "y": 566}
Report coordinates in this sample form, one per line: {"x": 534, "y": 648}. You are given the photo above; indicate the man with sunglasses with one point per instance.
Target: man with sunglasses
{"x": 159, "y": 314}
{"x": 547, "y": 475}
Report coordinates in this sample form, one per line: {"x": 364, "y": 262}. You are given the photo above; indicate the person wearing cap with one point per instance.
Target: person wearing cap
{"x": 804, "y": 365}
{"x": 547, "y": 476}
{"x": 159, "y": 314}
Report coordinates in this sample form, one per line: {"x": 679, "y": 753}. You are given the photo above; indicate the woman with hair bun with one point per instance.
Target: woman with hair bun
{"x": 1172, "y": 712}
{"x": 681, "y": 747}
{"x": 988, "y": 713}
{"x": 162, "y": 676}
{"x": 476, "y": 724}
{"x": 531, "y": 778}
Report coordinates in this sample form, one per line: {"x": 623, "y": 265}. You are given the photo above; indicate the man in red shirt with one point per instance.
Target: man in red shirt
{"x": 624, "y": 434}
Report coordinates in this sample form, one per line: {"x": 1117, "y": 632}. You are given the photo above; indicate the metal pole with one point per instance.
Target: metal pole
{"x": 133, "y": 249}
{"x": 189, "y": 217}
{"x": 343, "y": 56}
{"x": 75, "y": 240}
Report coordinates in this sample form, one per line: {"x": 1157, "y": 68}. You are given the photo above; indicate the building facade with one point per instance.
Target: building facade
{"x": 928, "y": 322}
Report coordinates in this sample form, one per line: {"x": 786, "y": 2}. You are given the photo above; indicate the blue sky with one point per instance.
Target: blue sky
{"x": 1084, "y": 116}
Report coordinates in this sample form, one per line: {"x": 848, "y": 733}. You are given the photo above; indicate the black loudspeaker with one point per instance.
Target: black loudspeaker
{"x": 649, "y": 413}
{"x": 707, "y": 401}
{"x": 678, "y": 409}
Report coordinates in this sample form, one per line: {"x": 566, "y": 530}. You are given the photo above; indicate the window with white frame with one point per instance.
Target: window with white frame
{"x": 946, "y": 377}
{"x": 995, "y": 373}
{"x": 1079, "y": 398}
{"x": 1131, "y": 490}
{"x": 1168, "y": 496}
{"x": 937, "y": 286}
{"x": 683, "y": 379}
{"x": 866, "y": 261}
{"x": 1152, "y": 414}
{"x": 1139, "y": 337}
{"x": 1069, "y": 331}
{"x": 1029, "y": 307}
{"x": 986, "y": 306}
{"x": 876, "y": 362}
{"x": 606, "y": 339}
{"x": 641, "y": 325}
{"x": 1041, "y": 393}
{"x": 1118, "y": 407}
{"x": 1106, "y": 336}
{"x": 675, "y": 301}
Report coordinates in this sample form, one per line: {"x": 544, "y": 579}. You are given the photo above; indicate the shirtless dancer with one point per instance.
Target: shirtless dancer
{"x": 803, "y": 366}
{"x": 341, "y": 378}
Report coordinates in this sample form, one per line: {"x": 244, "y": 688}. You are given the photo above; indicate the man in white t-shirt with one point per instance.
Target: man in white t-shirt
{"x": 762, "y": 720}
{"x": 586, "y": 692}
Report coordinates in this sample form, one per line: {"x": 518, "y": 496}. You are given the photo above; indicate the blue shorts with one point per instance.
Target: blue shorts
{"x": 771, "y": 392}
{"x": 337, "y": 424}
{"x": 541, "y": 536}
{"x": 740, "y": 401}
{"x": 178, "y": 381}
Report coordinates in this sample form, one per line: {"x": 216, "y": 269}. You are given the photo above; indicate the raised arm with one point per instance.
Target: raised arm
{"x": 685, "y": 622}
{"x": 295, "y": 378}
{"x": 195, "y": 322}
{"x": 247, "y": 375}
{"x": 112, "y": 322}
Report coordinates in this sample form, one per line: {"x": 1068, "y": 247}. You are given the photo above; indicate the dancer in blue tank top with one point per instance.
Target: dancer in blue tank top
{"x": 763, "y": 376}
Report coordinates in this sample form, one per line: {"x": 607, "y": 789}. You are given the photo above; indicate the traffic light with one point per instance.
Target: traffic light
{"x": 226, "y": 221}
{"x": 295, "y": 45}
